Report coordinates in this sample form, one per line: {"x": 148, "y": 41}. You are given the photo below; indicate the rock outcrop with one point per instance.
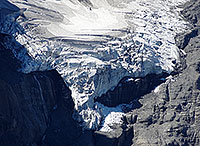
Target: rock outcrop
{"x": 171, "y": 115}
{"x": 130, "y": 89}
{"x": 27, "y": 100}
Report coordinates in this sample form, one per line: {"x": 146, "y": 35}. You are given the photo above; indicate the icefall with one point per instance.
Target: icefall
{"x": 94, "y": 44}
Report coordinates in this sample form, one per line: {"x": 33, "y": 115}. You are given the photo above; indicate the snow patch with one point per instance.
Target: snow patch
{"x": 156, "y": 90}
{"x": 110, "y": 115}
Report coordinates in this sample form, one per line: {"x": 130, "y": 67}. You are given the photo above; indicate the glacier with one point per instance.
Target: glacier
{"x": 94, "y": 44}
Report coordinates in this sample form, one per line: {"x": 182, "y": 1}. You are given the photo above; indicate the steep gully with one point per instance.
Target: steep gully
{"x": 37, "y": 107}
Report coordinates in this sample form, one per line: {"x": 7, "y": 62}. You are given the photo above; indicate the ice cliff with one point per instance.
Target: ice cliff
{"x": 94, "y": 44}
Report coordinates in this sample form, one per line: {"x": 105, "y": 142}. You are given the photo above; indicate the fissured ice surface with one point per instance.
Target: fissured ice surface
{"x": 93, "y": 44}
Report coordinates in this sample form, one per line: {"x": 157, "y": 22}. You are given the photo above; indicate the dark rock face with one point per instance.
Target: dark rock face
{"x": 27, "y": 100}
{"x": 7, "y": 8}
{"x": 127, "y": 91}
{"x": 191, "y": 12}
{"x": 120, "y": 136}
{"x": 26, "y": 106}
{"x": 64, "y": 131}
{"x": 182, "y": 40}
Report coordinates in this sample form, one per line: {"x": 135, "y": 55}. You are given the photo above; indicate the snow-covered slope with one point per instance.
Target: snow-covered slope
{"x": 94, "y": 44}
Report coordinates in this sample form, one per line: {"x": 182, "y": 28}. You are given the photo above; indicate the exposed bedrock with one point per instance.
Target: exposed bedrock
{"x": 191, "y": 12}
{"x": 27, "y": 100}
{"x": 130, "y": 89}
{"x": 171, "y": 116}
{"x": 120, "y": 136}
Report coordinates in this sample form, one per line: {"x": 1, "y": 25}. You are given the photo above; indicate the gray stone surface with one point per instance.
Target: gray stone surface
{"x": 171, "y": 116}
{"x": 129, "y": 89}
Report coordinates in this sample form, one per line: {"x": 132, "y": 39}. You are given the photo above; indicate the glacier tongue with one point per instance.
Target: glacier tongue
{"x": 94, "y": 44}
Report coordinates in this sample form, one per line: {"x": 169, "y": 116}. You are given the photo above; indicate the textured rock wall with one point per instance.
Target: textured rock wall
{"x": 171, "y": 116}
{"x": 27, "y": 100}
{"x": 130, "y": 89}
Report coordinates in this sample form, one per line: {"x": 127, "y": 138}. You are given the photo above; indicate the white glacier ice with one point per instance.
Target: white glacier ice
{"x": 94, "y": 44}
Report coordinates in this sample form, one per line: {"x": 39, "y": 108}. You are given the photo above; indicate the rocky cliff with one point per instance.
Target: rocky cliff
{"x": 171, "y": 115}
{"x": 27, "y": 100}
